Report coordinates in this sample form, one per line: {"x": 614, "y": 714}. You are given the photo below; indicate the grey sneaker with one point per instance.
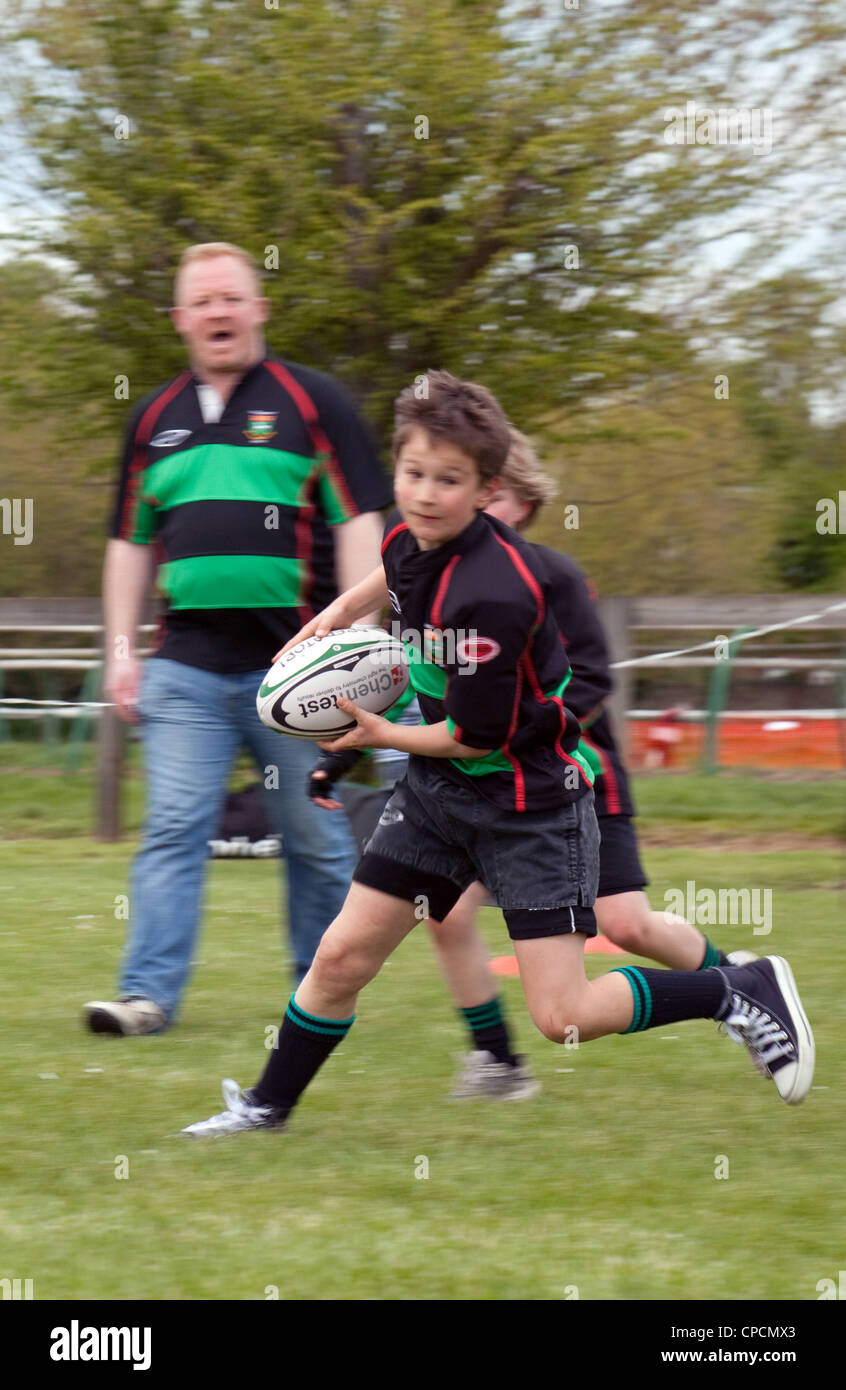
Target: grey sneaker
{"x": 127, "y": 1018}
{"x": 241, "y": 1113}
{"x": 484, "y": 1078}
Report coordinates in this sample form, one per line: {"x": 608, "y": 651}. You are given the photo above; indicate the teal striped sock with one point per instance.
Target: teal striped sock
{"x": 305, "y": 1041}
{"x": 489, "y": 1030}
{"x": 669, "y": 996}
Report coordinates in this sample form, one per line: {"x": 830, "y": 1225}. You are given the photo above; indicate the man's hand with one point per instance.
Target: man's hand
{"x": 121, "y": 683}
{"x": 371, "y": 730}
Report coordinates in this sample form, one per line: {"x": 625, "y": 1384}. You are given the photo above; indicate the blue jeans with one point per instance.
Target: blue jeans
{"x": 194, "y": 723}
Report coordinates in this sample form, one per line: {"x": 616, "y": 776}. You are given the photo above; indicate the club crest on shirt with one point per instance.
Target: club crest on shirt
{"x": 260, "y": 425}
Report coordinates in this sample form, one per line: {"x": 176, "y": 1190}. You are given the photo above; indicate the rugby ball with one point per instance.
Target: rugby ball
{"x": 300, "y": 693}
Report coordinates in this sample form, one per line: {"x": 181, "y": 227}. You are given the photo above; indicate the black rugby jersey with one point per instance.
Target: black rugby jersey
{"x": 573, "y": 603}
{"x": 487, "y": 656}
{"x": 240, "y": 510}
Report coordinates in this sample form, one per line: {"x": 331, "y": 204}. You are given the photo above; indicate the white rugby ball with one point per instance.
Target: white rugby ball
{"x": 299, "y": 695}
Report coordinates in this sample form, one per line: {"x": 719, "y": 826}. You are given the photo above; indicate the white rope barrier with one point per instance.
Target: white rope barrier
{"x": 720, "y": 641}
{"x": 615, "y": 665}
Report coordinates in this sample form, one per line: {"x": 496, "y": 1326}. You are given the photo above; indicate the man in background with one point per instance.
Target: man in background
{"x": 254, "y": 486}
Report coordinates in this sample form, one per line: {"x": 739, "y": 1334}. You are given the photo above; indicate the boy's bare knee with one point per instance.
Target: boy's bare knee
{"x": 559, "y": 1026}
{"x": 626, "y": 924}
{"x": 339, "y": 968}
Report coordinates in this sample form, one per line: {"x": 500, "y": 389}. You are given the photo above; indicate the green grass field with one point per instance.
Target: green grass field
{"x": 605, "y": 1184}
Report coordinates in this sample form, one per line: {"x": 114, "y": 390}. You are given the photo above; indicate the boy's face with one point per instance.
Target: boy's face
{"x": 438, "y": 489}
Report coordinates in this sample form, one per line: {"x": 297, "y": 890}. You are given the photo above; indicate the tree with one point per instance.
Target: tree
{"x": 439, "y": 184}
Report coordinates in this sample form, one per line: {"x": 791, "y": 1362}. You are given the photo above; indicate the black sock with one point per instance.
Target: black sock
{"x": 669, "y": 996}
{"x": 304, "y": 1044}
{"x": 489, "y": 1030}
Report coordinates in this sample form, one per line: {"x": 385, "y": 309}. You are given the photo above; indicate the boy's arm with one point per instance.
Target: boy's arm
{"x": 369, "y": 595}
{"x": 356, "y": 551}
{"x": 426, "y": 740}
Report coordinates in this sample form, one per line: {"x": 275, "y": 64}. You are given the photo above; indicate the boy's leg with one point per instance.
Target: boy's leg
{"x": 492, "y": 1070}
{"x": 562, "y": 1002}
{"x": 461, "y": 952}
{"x": 628, "y": 920}
{"x": 406, "y": 861}
{"x": 757, "y": 1002}
{"x": 321, "y": 1012}
{"x": 623, "y": 912}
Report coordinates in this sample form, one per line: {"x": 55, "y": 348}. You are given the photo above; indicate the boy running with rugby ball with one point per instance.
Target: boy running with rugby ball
{"x": 495, "y": 790}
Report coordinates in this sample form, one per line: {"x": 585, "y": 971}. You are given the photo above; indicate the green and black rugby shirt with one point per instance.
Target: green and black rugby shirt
{"x": 240, "y": 510}
{"x": 486, "y": 656}
{"x": 573, "y": 601}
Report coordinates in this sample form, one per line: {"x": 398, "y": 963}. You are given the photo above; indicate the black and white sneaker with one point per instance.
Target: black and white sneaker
{"x": 241, "y": 1113}
{"x": 764, "y": 1012}
{"x": 125, "y": 1018}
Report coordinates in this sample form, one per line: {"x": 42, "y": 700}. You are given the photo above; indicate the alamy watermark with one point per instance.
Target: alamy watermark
{"x": 16, "y": 518}
{"x": 727, "y": 125}
{"x": 709, "y": 907}
{"x": 460, "y": 647}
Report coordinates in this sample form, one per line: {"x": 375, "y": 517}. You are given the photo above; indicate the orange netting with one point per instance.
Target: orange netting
{"x": 777, "y": 742}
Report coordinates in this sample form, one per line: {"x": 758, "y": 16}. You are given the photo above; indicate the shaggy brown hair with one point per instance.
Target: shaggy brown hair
{"x": 524, "y": 475}
{"x": 460, "y": 413}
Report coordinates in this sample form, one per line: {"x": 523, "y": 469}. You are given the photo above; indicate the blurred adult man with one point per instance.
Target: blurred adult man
{"x": 257, "y": 487}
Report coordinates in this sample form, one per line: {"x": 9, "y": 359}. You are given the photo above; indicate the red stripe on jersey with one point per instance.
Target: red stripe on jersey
{"x": 437, "y": 606}
{"x": 143, "y": 435}
{"x": 587, "y": 719}
{"x": 611, "y": 786}
{"x": 308, "y": 410}
{"x": 304, "y": 537}
{"x": 562, "y": 713}
{"x": 401, "y": 526}
{"x": 525, "y": 574}
{"x": 519, "y": 779}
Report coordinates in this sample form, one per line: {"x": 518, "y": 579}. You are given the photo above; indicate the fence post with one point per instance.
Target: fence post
{"x": 717, "y": 694}
{"x": 616, "y": 614}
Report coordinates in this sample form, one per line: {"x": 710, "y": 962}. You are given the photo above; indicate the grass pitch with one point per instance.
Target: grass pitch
{"x": 605, "y": 1187}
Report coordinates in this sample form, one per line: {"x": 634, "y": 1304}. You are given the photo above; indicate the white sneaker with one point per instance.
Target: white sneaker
{"x": 484, "y": 1078}
{"x": 741, "y": 957}
{"x": 127, "y": 1018}
{"x": 240, "y": 1113}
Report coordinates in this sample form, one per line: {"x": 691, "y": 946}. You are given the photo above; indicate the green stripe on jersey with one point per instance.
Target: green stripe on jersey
{"x": 232, "y": 581}
{"x": 229, "y": 473}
